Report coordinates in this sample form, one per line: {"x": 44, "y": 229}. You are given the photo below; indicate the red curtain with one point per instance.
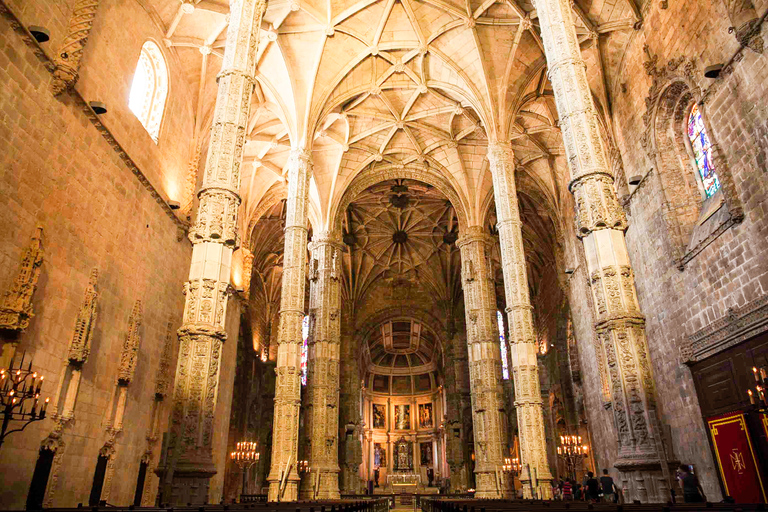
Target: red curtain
{"x": 736, "y": 458}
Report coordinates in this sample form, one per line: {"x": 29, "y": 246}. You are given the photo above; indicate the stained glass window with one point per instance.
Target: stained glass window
{"x": 149, "y": 88}
{"x": 304, "y": 336}
{"x": 702, "y": 147}
{"x": 503, "y": 344}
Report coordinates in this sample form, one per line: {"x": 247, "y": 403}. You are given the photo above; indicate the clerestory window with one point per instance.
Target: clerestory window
{"x": 149, "y": 89}
{"x": 702, "y": 146}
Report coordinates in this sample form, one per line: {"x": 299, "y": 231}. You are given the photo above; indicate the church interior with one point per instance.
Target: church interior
{"x": 302, "y": 250}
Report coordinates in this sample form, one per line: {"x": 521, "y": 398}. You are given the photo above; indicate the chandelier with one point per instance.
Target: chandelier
{"x": 20, "y": 397}
{"x": 572, "y": 452}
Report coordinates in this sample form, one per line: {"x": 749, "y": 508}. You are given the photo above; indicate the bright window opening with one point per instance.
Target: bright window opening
{"x": 503, "y": 344}
{"x": 149, "y": 89}
{"x": 702, "y": 152}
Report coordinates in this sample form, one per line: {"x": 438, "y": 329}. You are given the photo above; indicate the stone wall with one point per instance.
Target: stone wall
{"x": 730, "y": 268}
{"x": 60, "y": 172}
{"x": 106, "y": 73}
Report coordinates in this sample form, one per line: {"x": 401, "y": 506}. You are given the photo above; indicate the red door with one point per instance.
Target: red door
{"x": 736, "y": 458}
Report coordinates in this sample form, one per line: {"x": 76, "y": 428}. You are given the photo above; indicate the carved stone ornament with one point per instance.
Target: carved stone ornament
{"x": 738, "y": 325}
{"x": 217, "y": 218}
{"x": 16, "y": 308}
{"x": 80, "y": 346}
{"x": 676, "y": 69}
{"x": 130, "y": 352}
{"x": 67, "y": 60}
{"x": 164, "y": 375}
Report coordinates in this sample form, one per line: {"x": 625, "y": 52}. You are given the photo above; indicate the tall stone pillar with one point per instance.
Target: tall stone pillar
{"x": 322, "y": 396}
{"x": 283, "y": 477}
{"x": 484, "y": 364}
{"x": 600, "y": 223}
{"x": 190, "y": 466}
{"x": 350, "y": 398}
{"x": 525, "y": 369}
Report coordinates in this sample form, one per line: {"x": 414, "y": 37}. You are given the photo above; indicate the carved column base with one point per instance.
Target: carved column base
{"x": 492, "y": 485}
{"x": 190, "y": 486}
{"x": 324, "y": 487}
{"x": 644, "y": 480}
{"x": 289, "y": 491}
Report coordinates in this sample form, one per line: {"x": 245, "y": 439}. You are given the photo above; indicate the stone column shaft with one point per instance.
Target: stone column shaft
{"x": 283, "y": 478}
{"x": 350, "y": 398}
{"x": 525, "y": 369}
{"x": 600, "y": 223}
{"x": 322, "y": 396}
{"x": 484, "y": 364}
{"x": 214, "y": 237}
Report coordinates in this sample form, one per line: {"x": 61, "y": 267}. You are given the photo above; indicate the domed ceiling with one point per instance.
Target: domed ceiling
{"x": 402, "y": 357}
{"x": 405, "y": 229}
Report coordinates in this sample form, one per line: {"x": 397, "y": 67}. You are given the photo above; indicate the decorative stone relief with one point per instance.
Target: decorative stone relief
{"x": 16, "y": 308}
{"x": 130, "y": 352}
{"x": 80, "y": 346}
{"x": 164, "y": 375}
{"x": 68, "y": 58}
{"x": 745, "y": 24}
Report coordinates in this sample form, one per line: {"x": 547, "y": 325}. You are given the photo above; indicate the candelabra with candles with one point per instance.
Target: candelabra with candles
{"x": 245, "y": 456}
{"x": 572, "y": 452}
{"x": 512, "y": 466}
{"x": 758, "y": 397}
{"x": 303, "y": 467}
{"x": 20, "y": 387}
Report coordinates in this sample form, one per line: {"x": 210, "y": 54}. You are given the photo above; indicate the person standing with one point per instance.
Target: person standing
{"x": 567, "y": 490}
{"x": 592, "y": 488}
{"x": 609, "y": 488}
{"x": 692, "y": 491}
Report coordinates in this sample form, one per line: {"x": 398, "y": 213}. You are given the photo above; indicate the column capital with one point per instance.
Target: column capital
{"x": 501, "y": 152}
{"x": 473, "y": 234}
{"x": 326, "y": 238}
{"x": 302, "y": 155}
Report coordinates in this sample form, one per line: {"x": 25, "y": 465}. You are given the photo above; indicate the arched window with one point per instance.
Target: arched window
{"x": 149, "y": 88}
{"x": 304, "y": 337}
{"x": 503, "y": 344}
{"x": 701, "y": 146}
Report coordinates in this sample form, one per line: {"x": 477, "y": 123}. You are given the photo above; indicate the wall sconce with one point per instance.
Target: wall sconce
{"x": 98, "y": 107}
{"x": 41, "y": 34}
{"x": 713, "y": 71}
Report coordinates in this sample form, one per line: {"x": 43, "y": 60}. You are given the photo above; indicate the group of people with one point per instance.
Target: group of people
{"x": 604, "y": 489}
{"x": 591, "y": 489}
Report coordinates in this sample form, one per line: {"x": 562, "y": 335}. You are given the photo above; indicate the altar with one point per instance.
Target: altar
{"x": 404, "y": 483}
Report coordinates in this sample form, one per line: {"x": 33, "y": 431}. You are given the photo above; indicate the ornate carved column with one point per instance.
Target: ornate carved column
{"x": 351, "y": 431}
{"x": 523, "y": 355}
{"x": 600, "y": 223}
{"x": 283, "y": 478}
{"x": 484, "y": 364}
{"x": 322, "y": 402}
{"x": 67, "y": 60}
{"x": 214, "y": 235}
